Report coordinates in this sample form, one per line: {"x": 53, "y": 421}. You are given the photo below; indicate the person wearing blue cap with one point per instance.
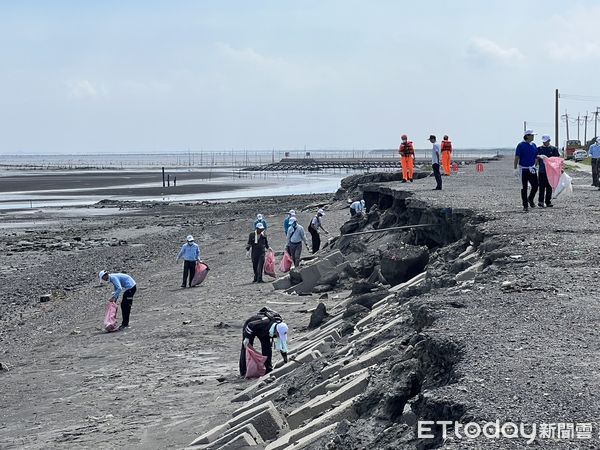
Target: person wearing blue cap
{"x": 256, "y": 247}
{"x": 122, "y": 283}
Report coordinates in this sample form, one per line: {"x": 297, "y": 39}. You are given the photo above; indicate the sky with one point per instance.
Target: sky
{"x": 151, "y": 76}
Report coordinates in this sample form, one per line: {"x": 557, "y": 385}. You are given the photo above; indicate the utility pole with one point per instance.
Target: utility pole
{"x": 578, "y": 123}
{"x": 556, "y": 123}
{"x": 596, "y": 121}
{"x": 524, "y": 126}
{"x": 585, "y": 129}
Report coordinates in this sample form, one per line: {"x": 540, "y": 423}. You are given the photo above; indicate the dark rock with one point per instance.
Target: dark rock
{"x": 400, "y": 264}
{"x": 45, "y": 298}
{"x": 362, "y": 287}
{"x": 319, "y": 289}
{"x": 318, "y": 316}
{"x": 355, "y": 309}
{"x": 295, "y": 277}
{"x": 222, "y": 325}
{"x": 369, "y": 299}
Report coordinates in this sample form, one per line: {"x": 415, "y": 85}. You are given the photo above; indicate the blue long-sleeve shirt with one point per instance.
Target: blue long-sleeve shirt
{"x": 120, "y": 281}
{"x": 594, "y": 151}
{"x": 189, "y": 252}
{"x": 527, "y": 153}
{"x": 296, "y": 235}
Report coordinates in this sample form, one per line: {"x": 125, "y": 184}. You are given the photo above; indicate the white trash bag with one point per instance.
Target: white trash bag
{"x": 565, "y": 187}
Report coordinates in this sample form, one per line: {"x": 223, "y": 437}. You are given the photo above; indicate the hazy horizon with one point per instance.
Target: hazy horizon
{"x": 149, "y": 77}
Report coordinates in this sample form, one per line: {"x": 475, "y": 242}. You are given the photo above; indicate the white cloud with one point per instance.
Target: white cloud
{"x": 574, "y": 35}
{"x": 484, "y": 51}
{"x": 85, "y": 89}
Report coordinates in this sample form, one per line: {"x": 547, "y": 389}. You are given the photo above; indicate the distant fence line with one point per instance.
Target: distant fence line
{"x": 232, "y": 159}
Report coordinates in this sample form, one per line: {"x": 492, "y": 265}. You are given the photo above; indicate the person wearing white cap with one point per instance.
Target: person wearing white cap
{"x": 190, "y": 253}
{"x": 594, "y": 153}
{"x": 122, "y": 283}
{"x": 357, "y": 208}
{"x": 525, "y": 169}
{"x": 545, "y": 195}
{"x": 286, "y": 221}
{"x": 260, "y": 219}
{"x": 257, "y": 241}
{"x": 313, "y": 228}
{"x": 295, "y": 236}
{"x": 266, "y": 326}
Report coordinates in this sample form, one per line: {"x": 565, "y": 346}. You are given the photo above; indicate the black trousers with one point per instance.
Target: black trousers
{"x": 258, "y": 264}
{"x": 126, "y": 304}
{"x": 545, "y": 195}
{"x": 528, "y": 178}
{"x": 352, "y": 212}
{"x": 316, "y": 239}
{"x": 265, "y": 349}
{"x": 189, "y": 270}
{"x": 595, "y": 168}
{"x": 437, "y": 175}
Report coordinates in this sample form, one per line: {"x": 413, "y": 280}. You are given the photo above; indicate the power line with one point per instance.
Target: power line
{"x": 581, "y": 98}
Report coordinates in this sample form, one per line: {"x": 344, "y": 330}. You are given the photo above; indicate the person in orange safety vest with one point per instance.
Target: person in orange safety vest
{"x": 407, "y": 154}
{"x": 446, "y": 155}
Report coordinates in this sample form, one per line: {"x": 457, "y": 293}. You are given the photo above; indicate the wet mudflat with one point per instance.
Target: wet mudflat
{"x": 67, "y": 384}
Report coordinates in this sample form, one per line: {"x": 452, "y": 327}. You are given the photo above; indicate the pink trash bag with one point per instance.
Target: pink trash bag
{"x": 255, "y": 363}
{"x": 200, "y": 274}
{"x": 554, "y": 167}
{"x": 269, "y": 268}
{"x": 110, "y": 318}
{"x": 286, "y": 262}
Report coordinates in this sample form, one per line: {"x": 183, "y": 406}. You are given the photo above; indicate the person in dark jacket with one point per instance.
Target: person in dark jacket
{"x": 258, "y": 245}
{"x": 265, "y": 328}
{"x": 545, "y": 196}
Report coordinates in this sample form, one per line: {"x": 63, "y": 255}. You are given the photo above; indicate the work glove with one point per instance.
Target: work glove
{"x": 246, "y": 342}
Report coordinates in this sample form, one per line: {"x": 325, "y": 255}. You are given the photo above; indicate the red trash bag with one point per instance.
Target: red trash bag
{"x": 554, "y": 168}
{"x": 110, "y": 318}
{"x": 200, "y": 274}
{"x": 269, "y": 268}
{"x": 286, "y": 262}
{"x": 255, "y": 363}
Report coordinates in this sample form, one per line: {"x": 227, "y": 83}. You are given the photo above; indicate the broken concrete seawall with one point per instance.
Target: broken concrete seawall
{"x": 474, "y": 319}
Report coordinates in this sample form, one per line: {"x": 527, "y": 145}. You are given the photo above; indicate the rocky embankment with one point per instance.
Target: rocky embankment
{"x": 468, "y": 314}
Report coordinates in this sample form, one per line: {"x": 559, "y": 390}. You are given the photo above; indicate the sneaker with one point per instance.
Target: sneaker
{"x": 404, "y": 181}
{"x": 411, "y": 180}
{"x": 183, "y": 285}
{"x": 531, "y": 204}
{"x": 122, "y": 327}
{"x": 540, "y": 205}
{"x": 549, "y": 205}
{"x": 525, "y": 209}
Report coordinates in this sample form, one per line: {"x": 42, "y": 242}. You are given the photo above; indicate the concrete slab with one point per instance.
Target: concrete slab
{"x": 241, "y": 441}
{"x": 234, "y": 432}
{"x": 282, "y": 283}
{"x": 367, "y": 359}
{"x": 268, "y": 422}
{"x": 259, "y": 399}
{"x": 285, "y": 369}
{"x": 211, "y": 435}
{"x": 323, "y": 403}
{"x": 250, "y": 391}
{"x": 379, "y": 330}
{"x": 320, "y": 389}
{"x": 469, "y": 273}
{"x": 412, "y": 282}
{"x": 307, "y": 441}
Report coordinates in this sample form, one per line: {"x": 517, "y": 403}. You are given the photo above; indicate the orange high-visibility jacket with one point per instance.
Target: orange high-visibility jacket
{"x": 407, "y": 149}
{"x": 446, "y": 146}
